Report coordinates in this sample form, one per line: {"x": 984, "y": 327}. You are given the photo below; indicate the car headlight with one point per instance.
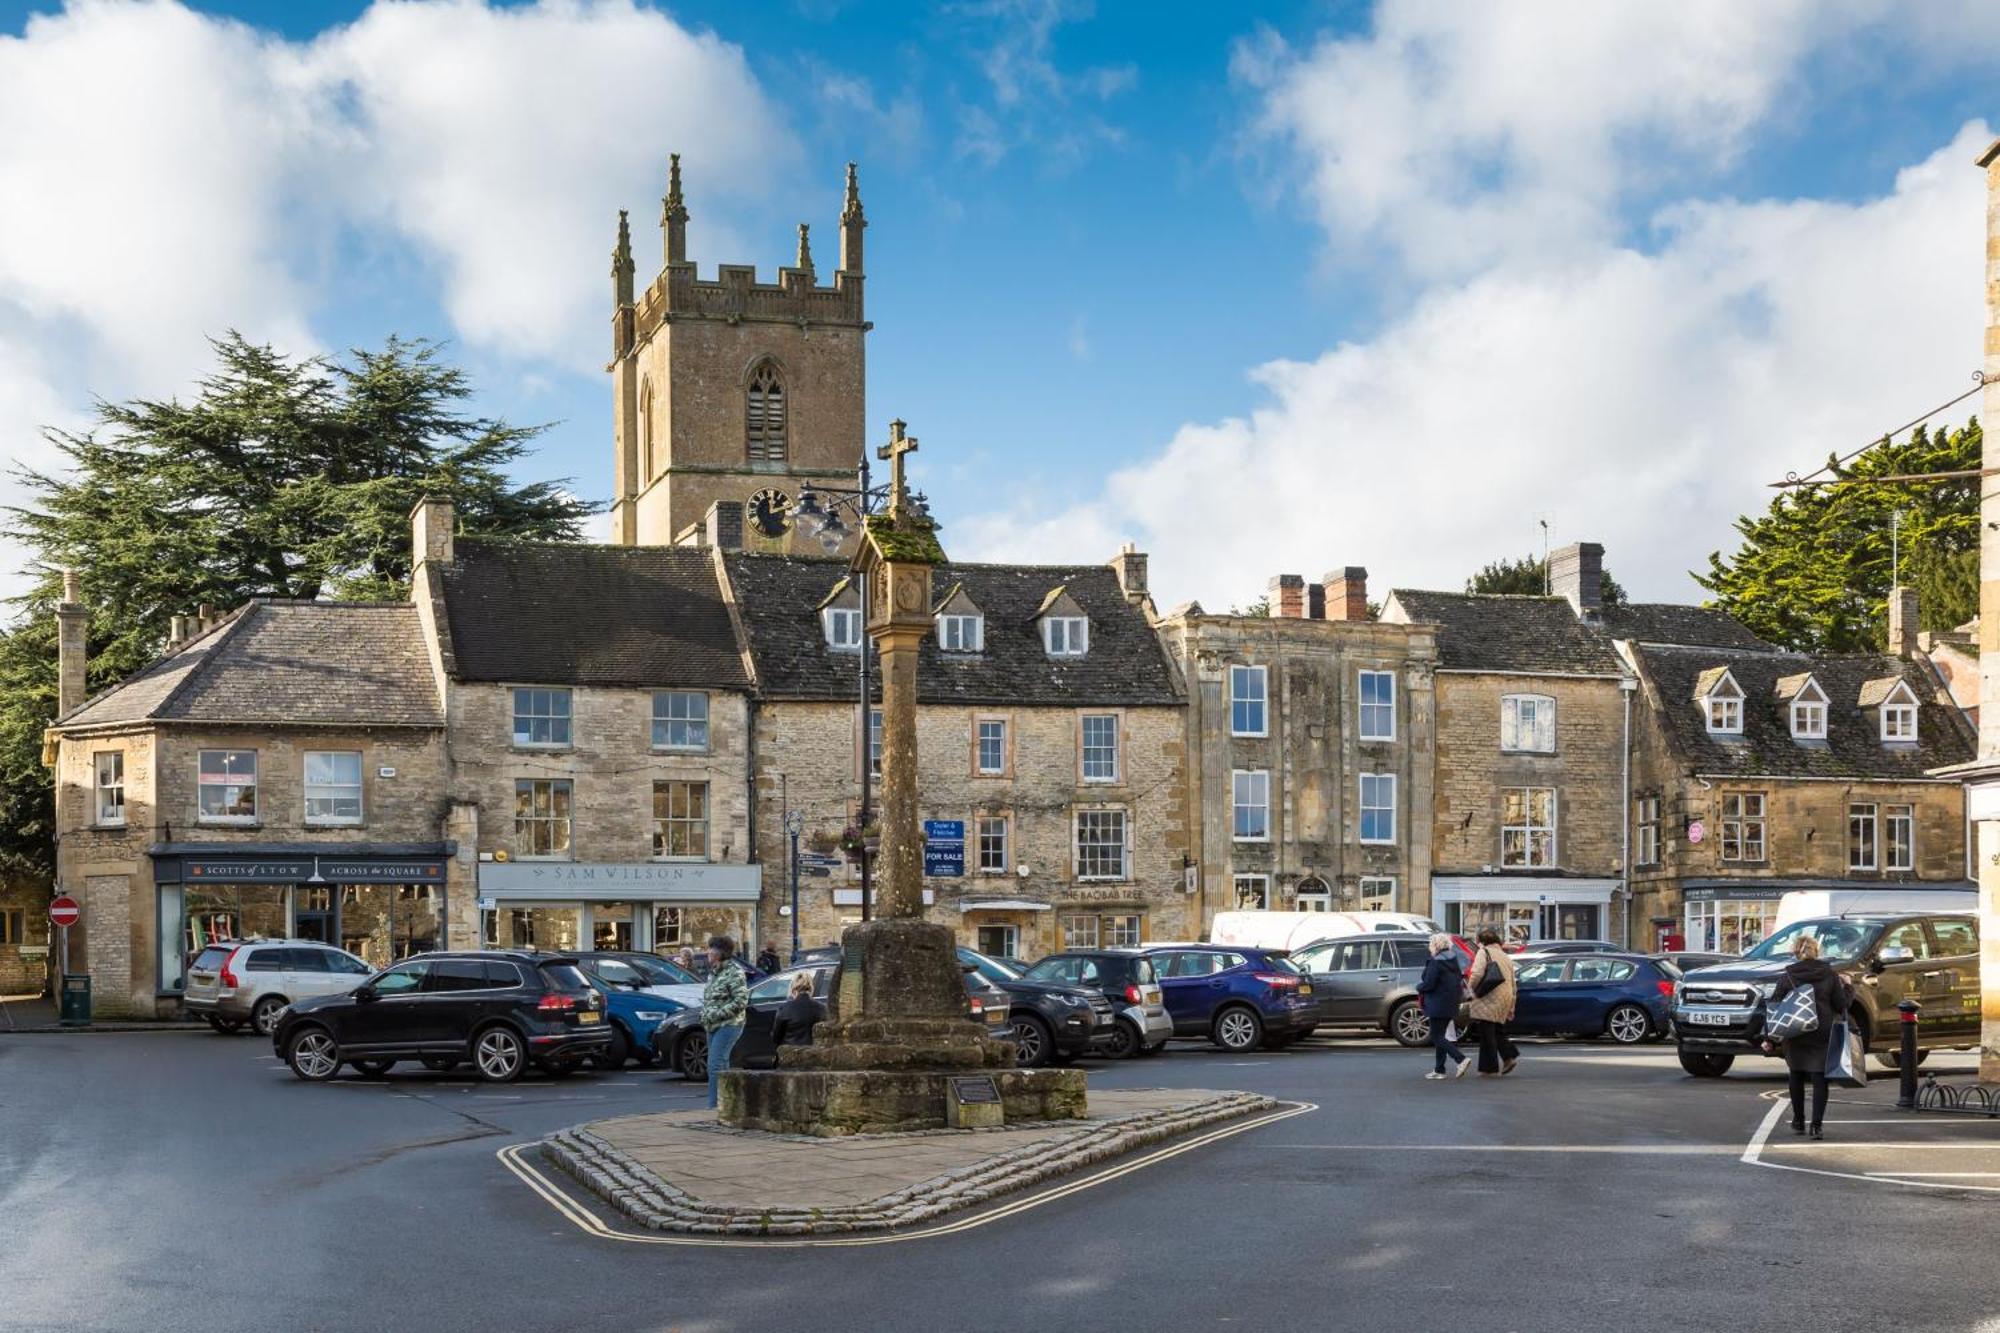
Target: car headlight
{"x": 1764, "y": 989}
{"x": 651, "y": 1015}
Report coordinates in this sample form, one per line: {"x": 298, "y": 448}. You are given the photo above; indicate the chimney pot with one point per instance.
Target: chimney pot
{"x": 72, "y": 648}
{"x": 1576, "y": 574}
{"x": 1346, "y": 593}
{"x": 1288, "y": 597}
{"x": 1903, "y": 621}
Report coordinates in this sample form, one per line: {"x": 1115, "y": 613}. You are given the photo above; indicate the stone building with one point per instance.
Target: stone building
{"x": 280, "y": 771}
{"x": 1532, "y": 700}
{"x": 1050, "y": 748}
{"x": 24, "y": 937}
{"x": 1310, "y": 735}
{"x": 1758, "y": 772}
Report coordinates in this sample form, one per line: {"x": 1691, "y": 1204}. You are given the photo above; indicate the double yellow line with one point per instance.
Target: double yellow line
{"x": 514, "y": 1158}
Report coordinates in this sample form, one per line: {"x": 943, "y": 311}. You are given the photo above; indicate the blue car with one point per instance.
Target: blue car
{"x": 1236, "y": 997}
{"x": 640, "y": 991}
{"x": 1626, "y": 997}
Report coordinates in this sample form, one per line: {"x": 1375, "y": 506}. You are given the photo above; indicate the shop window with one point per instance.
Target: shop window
{"x": 227, "y": 787}
{"x": 993, "y": 844}
{"x": 542, "y": 817}
{"x": 1251, "y": 805}
{"x": 1528, "y": 827}
{"x": 1079, "y": 932}
{"x": 542, "y": 718}
{"x": 1528, "y": 722}
{"x": 999, "y": 941}
{"x": 1253, "y": 893}
{"x": 1378, "y": 893}
{"x": 1100, "y": 844}
{"x": 680, "y": 821}
{"x": 1247, "y": 700}
{"x": 680, "y": 720}
{"x": 110, "y": 767}
{"x": 668, "y": 926}
{"x": 1899, "y": 837}
{"x": 1861, "y": 837}
{"x": 1743, "y": 826}
{"x": 1646, "y": 852}
{"x": 1378, "y": 807}
{"x": 384, "y": 922}
{"x": 1121, "y": 932}
{"x": 1100, "y": 747}
{"x": 333, "y": 786}
{"x": 1378, "y": 705}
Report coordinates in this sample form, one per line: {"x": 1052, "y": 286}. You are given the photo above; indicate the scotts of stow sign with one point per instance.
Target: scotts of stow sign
{"x": 333, "y": 869}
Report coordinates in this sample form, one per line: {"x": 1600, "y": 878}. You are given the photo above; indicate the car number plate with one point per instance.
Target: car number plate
{"x": 1708, "y": 1020}
{"x": 1305, "y": 988}
{"x": 587, "y": 1016}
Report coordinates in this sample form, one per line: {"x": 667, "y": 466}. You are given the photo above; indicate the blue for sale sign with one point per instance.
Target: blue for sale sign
{"x": 944, "y": 847}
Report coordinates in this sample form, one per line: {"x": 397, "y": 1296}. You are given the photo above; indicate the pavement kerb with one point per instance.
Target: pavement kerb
{"x": 637, "y": 1192}
{"x": 56, "y": 1029}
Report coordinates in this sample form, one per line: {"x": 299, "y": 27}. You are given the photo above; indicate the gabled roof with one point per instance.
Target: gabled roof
{"x": 1671, "y": 623}
{"x": 1503, "y": 632}
{"x": 1874, "y": 693}
{"x": 1796, "y": 685}
{"x": 1711, "y": 681}
{"x": 1853, "y": 747}
{"x": 957, "y": 602}
{"x": 286, "y": 663}
{"x": 545, "y": 613}
{"x": 1125, "y": 666}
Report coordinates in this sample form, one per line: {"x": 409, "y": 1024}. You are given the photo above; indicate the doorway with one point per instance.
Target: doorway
{"x": 1000, "y": 941}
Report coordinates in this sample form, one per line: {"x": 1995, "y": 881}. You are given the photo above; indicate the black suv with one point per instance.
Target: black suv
{"x": 1931, "y": 958}
{"x": 499, "y": 1009}
{"x": 1053, "y": 1022}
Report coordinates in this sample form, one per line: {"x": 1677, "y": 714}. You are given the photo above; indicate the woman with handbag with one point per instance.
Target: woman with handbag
{"x": 1442, "y": 989}
{"x": 1805, "y": 1050}
{"x": 1492, "y": 985}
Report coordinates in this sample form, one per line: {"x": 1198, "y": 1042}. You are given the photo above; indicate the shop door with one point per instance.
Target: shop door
{"x": 1000, "y": 941}
{"x": 611, "y": 927}
{"x": 1570, "y": 921}
{"x": 312, "y": 913}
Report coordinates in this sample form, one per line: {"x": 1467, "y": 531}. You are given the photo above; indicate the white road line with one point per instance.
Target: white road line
{"x": 1753, "y": 1156}
{"x": 1948, "y": 1175}
{"x": 1756, "y": 1148}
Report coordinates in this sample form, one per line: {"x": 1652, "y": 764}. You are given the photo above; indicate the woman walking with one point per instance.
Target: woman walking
{"x": 724, "y": 1002}
{"x": 1805, "y": 1054}
{"x": 1442, "y": 987}
{"x": 1492, "y": 983}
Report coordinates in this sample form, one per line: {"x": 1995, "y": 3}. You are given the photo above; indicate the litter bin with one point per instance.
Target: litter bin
{"x": 76, "y": 1000}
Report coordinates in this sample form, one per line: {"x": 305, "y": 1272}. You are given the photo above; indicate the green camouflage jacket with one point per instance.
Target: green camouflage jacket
{"x": 726, "y": 998}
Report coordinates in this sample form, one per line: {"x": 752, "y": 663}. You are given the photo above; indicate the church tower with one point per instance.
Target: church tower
{"x": 733, "y": 389}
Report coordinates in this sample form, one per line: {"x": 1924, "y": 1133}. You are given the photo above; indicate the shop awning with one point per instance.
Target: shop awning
{"x": 1520, "y": 889}
{"x": 1003, "y": 905}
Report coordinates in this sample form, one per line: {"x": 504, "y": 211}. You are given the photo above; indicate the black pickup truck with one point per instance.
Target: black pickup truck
{"x": 1932, "y": 958}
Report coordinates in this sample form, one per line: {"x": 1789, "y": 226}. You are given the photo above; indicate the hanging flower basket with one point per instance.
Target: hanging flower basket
{"x": 857, "y": 841}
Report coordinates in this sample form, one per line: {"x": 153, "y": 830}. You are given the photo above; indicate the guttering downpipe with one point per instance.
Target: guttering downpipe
{"x": 1626, "y": 687}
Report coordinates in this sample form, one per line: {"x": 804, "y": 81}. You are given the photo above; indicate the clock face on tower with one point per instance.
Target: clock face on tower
{"x": 771, "y": 511}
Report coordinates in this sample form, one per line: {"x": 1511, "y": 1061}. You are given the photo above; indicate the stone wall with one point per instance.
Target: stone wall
{"x": 24, "y": 961}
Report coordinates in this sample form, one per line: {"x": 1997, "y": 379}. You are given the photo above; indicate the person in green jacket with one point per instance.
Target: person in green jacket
{"x": 724, "y": 1002}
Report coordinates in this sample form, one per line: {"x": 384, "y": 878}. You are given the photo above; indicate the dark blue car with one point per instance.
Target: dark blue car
{"x": 1236, "y": 997}
{"x": 1626, "y": 997}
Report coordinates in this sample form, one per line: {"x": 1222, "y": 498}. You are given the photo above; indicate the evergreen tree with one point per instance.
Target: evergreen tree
{"x": 1528, "y": 576}
{"x": 1813, "y": 571}
{"x": 287, "y": 477}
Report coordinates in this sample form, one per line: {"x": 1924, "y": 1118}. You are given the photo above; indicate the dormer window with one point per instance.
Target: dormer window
{"x": 1066, "y": 636}
{"x": 961, "y": 633}
{"x": 843, "y": 628}
{"x": 1809, "y": 712}
{"x": 1721, "y": 700}
{"x": 1895, "y": 705}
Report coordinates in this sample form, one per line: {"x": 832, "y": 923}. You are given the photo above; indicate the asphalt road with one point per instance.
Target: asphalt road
{"x": 167, "y": 1181}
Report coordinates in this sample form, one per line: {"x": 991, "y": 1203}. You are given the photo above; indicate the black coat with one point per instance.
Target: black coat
{"x": 1442, "y": 986}
{"x": 795, "y": 1021}
{"x": 1807, "y": 1051}
{"x": 767, "y": 961}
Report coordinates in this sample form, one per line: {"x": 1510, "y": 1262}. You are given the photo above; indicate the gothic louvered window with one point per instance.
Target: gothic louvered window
{"x": 766, "y": 428}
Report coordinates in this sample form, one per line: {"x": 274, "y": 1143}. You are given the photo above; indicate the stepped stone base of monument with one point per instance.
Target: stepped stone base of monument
{"x": 831, "y": 1103}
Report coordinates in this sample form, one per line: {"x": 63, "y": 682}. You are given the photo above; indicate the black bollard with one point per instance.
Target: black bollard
{"x": 1906, "y": 1095}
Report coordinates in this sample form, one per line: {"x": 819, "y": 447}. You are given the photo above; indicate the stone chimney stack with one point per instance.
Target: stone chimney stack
{"x": 723, "y": 526}
{"x": 1346, "y": 592}
{"x": 72, "y": 646}
{"x": 1576, "y": 574}
{"x": 205, "y": 618}
{"x": 1288, "y": 597}
{"x": 430, "y": 532}
{"x": 1903, "y": 621}
{"x": 1130, "y": 566}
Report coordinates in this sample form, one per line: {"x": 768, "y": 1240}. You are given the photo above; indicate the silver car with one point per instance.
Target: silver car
{"x": 235, "y": 983}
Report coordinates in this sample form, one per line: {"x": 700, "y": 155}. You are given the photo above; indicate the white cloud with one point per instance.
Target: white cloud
{"x": 1641, "y": 399}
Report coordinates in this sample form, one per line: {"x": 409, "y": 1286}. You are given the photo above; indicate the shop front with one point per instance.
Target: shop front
{"x": 1525, "y": 910}
{"x": 1729, "y": 917}
{"x": 645, "y": 906}
{"x": 1004, "y": 927}
{"x": 380, "y": 901}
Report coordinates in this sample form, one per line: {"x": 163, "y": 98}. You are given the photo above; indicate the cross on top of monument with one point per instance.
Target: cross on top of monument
{"x": 898, "y": 445}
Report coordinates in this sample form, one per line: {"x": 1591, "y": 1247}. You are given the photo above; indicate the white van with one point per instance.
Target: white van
{"x": 1805, "y": 904}
{"x": 1295, "y": 930}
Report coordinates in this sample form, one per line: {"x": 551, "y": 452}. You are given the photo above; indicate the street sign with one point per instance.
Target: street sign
{"x": 1696, "y": 831}
{"x": 64, "y": 911}
{"x": 944, "y": 847}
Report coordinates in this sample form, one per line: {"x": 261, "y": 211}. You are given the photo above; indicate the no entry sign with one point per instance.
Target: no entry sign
{"x": 64, "y": 911}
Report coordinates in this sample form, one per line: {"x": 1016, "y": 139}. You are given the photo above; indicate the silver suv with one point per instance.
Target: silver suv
{"x": 235, "y": 982}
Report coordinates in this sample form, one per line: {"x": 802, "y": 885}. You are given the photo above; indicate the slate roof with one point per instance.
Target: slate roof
{"x": 1671, "y": 623}
{"x": 1505, "y": 632}
{"x": 286, "y": 663}
{"x": 1852, "y": 748}
{"x": 1125, "y": 666}
{"x": 572, "y": 614}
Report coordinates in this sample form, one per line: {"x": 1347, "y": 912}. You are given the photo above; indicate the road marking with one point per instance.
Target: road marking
{"x": 1754, "y": 1156}
{"x": 513, "y": 1158}
{"x": 1952, "y": 1175}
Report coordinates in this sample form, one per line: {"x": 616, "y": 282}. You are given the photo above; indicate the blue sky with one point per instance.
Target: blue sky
{"x": 1271, "y": 289}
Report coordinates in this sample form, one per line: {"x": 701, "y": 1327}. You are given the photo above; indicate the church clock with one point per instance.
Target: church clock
{"x": 771, "y": 511}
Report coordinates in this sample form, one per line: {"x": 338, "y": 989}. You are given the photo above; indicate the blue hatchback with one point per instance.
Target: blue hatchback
{"x": 1237, "y": 998}
{"x": 1626, "y": 997}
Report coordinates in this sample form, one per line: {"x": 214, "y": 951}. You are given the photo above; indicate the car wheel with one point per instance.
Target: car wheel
{"x": 693, "y": 1057}
{"x": 499, "y": 1054}
{"x": 1409, "y": 1024}
{"x": 1237, "y": 1029}
{"x": 313, "y": 1055}
{"x": 1627, "y": 1024}
{"x": 265, "y": 1016}
{"x": 615, "y": 1055}
{"x": 373, "y": 1068}
{"x": 1705, "y": 1065}
{"x": 1034, "y": 1044}
{"x": 1894, "y": 1059}
{"x": 441, "y": 1064}
{"x": 1125, "y": 1041}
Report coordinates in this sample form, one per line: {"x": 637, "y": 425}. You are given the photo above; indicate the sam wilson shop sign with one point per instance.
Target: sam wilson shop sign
{"x": 651, "y": 881}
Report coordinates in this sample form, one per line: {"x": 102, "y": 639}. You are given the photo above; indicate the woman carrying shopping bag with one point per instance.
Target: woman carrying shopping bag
{"x": 1492, "y": 985}
{"x": 1808, "y": 984}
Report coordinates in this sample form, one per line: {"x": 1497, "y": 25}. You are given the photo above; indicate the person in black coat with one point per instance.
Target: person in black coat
{"x": 767, "y": 961}
{"x": 799, "y": 1015}
{"x": 1805, "y": 1054}
{"x": 1442, "y": 987}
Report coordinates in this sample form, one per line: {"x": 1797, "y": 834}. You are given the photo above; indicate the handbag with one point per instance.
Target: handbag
{"x": 1794, "y": 1016}
{"x": 1846, "y": 1062}
{"x": 1490, "y": 980}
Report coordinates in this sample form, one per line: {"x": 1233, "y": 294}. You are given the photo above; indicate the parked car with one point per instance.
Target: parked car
{"x": 999, "y": 971}
{"x": 1293, "y": 930}
{"x": 1688, "y": 962}
{"x": 681, "y": 1044}
{"x": 1238, "y": 998}
{"x": 1929, "y": 957}
{"x": 1626, "y": 997}
{"x": 1563, "y": 948}
{"x": 639, "y": 991}
{"x": 1126, "y": 978}
{"x": 250, "y": 981}
{"x": 500, "y": 1009}
{"x": 1370, "y": 981}
{"x": 1054, "y": 1021}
